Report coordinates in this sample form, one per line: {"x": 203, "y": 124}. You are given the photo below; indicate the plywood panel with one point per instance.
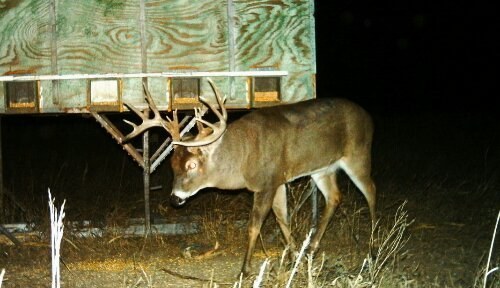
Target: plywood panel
{"x": 187, "y": 35}
{"x": 274, "y": 33}
{"x": 25, "y": 37}
{"x": 98, "y": 36}
{"x": 279, "y": 35}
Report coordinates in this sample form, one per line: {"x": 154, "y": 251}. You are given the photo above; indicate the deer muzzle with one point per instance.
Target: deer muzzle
{"x": 176, "y": 201}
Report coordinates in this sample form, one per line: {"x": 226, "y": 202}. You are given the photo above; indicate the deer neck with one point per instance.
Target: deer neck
{"x": 225, "y": 161}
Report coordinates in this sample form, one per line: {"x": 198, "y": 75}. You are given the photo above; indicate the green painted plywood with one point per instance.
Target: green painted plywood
{"x": 277, "y": 34}
{"x": 97, "y": 36}
{"x": 187, "y": 35}
{"x": 25, "y": 37}
{"x": 67, "y": 37}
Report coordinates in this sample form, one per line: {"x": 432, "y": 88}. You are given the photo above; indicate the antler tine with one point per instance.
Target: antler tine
{"x": 220, "y": 102}
{"x": 150, "y": 101}
{"x": 136, "y": 129}
{"x": 172, "y": 126}
{"x": 135, "y": 110}
{"x": 197, "y": 113}
{"x": 218, "y": 130}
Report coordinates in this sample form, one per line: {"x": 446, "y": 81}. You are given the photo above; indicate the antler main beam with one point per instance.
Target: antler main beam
{"x": 172, "y": 126}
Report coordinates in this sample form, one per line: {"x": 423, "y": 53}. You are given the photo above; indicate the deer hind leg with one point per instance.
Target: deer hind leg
{"x": 262, "y": 202}
{"x": 359, "y": 172}
{"x": 327, "y": 184}
{"x": 281, "y": 213}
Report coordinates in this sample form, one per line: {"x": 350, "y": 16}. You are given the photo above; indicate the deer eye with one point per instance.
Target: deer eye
{"x": 191, "y": 165}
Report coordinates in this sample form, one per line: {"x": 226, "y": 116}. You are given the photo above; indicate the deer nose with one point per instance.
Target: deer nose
{"x": 176, "y": 201}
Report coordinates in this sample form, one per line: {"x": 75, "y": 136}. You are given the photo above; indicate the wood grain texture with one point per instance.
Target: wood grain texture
{"x": 105, "y": 36}
{"x": 277, "y": 34}
{"x": 98, "y": 36}
{"x": 187, "y": 35}
{"x": 25, "y": 37}
{"x": 269, "y": 30}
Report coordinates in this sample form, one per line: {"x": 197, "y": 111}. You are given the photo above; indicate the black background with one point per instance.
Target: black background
{"x": 408, "y": 56}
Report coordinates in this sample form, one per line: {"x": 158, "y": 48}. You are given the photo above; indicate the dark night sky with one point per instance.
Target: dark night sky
{"x": 414, "y": 56}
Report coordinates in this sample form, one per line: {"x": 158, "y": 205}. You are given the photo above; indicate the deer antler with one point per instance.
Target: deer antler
{"x": 217, "y": 129}
{"x": 172, "y": 125}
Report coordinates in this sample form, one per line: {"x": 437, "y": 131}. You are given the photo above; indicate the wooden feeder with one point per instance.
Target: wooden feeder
{"x": 90, "y": 57}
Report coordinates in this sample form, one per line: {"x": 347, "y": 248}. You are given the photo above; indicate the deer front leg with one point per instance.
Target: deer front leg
{"x": 262, "y": 202}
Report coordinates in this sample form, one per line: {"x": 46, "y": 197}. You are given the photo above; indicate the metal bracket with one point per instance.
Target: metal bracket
{"x": 118, "y": 136}
{"x": 9, "y": 235}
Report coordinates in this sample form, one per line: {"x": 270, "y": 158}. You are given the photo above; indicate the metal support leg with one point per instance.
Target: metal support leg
{"x": 146, "y": 176}
{"x": 314, "y": 205}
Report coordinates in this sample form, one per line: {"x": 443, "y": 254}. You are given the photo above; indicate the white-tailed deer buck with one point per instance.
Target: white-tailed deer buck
{"x": 267, "y": 148}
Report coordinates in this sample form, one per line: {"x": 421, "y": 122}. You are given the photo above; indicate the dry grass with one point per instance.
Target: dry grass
{"x": 226, "y": 225}
{"x": 300, "y": 205}
{"x": 387, "y": 241}
{"x": 312, "y": 272}
{"x": 489, "y": 275}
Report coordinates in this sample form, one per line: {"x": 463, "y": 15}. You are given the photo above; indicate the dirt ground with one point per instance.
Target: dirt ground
{"x": 449, "y": 178}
